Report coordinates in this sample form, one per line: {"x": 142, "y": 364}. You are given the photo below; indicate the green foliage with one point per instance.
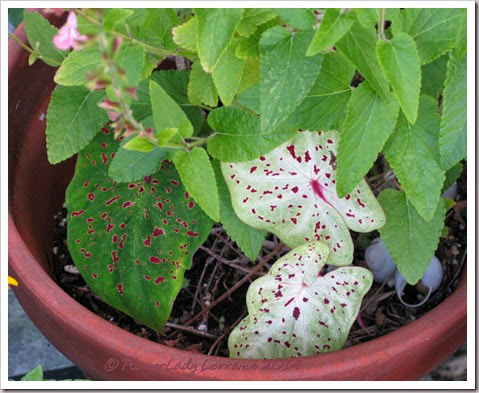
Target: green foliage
{"x": 369, "y": 123}
{"x": 413, "y": 152}
{"x": 433, "y": 76}
{"x": 252, "y": 18}
{"x": 333, "y": 26}
{"x": 201, "y": 89}
{"x": 197, "y": 173}
{"x": 73, "y": 119}
{"x": 307, "y": 312}
{"x": 35, "y": 375}
{"x": 300, "y": 18}
{"x": 132, "y": 242}
{"x": 40, "y": 35}
{"x": 451, "y": 176}
{"x": 185, "y": 35}
{"x": 400, "y": 62}
{"x": 73, "y": 71}
{"x": 249, "y": 239}
{"x": 286, "y": 73}
{"x": 453, "y": 135}
{"x": 409, "y": 238}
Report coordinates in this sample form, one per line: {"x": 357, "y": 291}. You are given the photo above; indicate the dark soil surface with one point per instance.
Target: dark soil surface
{"x": 219, "y": 264}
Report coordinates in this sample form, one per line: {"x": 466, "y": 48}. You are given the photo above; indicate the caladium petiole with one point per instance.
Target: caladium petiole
{"x": 132, "y": 242}
{"x": 294, "y": 310}
{"x": 291, "y": 192}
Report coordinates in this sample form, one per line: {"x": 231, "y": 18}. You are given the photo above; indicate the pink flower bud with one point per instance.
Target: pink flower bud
{"x": 68, "y": 36}
{"x": 109, "y": 105}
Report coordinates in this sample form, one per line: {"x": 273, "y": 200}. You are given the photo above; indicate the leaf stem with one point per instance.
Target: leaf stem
{"x": 382, "y": 20}
{"x": 32, "y": 51}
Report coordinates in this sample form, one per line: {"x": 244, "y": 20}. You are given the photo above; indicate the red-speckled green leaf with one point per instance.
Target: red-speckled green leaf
{"x": 295, "y": 311}
{"x": 291, "y": 192}
{"x": 132, "y": 242}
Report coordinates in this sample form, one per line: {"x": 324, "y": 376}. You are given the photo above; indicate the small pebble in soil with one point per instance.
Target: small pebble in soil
{"x": 72, "y": 269}
{"x": 202, "y": 327}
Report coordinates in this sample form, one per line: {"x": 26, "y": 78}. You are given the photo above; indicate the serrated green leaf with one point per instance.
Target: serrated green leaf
{"x": 433, "y": 76}
{"x": 114, "y": 16}
{"x": 139, "y": 143}
{"x": 248, "y": 239}
{"x": 358, "y": 45}
{"x": 413, "y": 153}
{"x": 460, "y": 46}
{"x": 250, "y": 98}
{"x": 201, "y": 88}
{"x": 300, "y": 18}
{"x": 252, "y": 18}
{"x": 73, "y": 71}
{"x": 216, "y": 27}
{"x": 295, "y": 295}
{"x": 227, "y": 73}
{"x": 452, "y": 175}
{"x": 400, "y": 62}
{"x": 198, "y": 176}
{"x": 185, "y": 35}
{"x": 453, "y": 135}
{"x": 131, "y": 165}
{"x": 250, "y": 76}
{"x": 132, "y": 242}
{"x": 291, "y": 192}
{"x": 35, "y": 375}
{"x": 324, "y": 105}
{"x": 369, "y": 17}
{"x": 286, "y": 73}
{"x": 239, "y": 136}
{"x": 408, "y": 237}
{"x": 333, "y": 26}
{"x": 73, "y": 119}
{"x": 248, "y": 47}
{"x": 40, "y": 34}
{"x": 433, "y": 29}
{"x": 369, "y": 123}
{"x": 167, "y": 113}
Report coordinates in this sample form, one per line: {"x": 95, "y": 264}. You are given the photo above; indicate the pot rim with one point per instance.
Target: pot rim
{"x": 32, "y": 278}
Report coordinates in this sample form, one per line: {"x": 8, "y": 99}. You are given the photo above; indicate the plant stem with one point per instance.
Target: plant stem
{"x": 30, "y": 50}
{"x": 382, "y": 13}
{"x": 237, "y": 285}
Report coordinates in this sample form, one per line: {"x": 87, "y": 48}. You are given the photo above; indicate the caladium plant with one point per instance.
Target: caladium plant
{"x": 132, "y": 242}
{"x": 291, "y": 192}
{"x": 297, "y": 310}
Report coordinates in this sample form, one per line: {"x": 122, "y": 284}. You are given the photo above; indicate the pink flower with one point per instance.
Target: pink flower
{"x": 68, "y": 36}
{"x": 56, "y": 11}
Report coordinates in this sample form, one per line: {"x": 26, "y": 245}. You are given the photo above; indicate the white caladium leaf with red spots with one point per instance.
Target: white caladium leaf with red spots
{"x": 295, "y": 310}
{"x": 291, "y": 191}
{"x": 132, "y": 242}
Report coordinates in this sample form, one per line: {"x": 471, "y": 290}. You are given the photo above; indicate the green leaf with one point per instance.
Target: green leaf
{"x": 400, "y": 62}
{"x": 73, "y": 119}
{"x": 409, "y": 238}
{"x": 250, "y": 240}
{"x": 114, "y": 16}
{"x": 227, "y": 74}
{"x": 448, "y": 204}
{"x": 369, "y": 123}
{"x": 433, "y": 76}
{"x": 165, "y": 135}
{"x": 250, "y": 98}
{"x": 133, "y": 165}
{"x": 201, "y": 88}
{"x": 175, "y": 83}
{"x": 433, "y": 29}
{"x": 252, "y": 18}
{"x": 74, "y": 68}
{"x": 300, "y": 18}
{"x": 132, "y": 242}
{"x": 453, "y": 135}
{"x": 139, "y": 143}
{"x": 291, "y": 192}
{"x": 239, "y": 136}
{"x": 185, "y": 35}
{"x": 248, "y": 47}
{"x": 167, "y": 113}
{"x": 297, "y": 311}
{"x": 324, "y": 105}
{"x": 35, "y": 375}
{"x": 286, "y": 73}
{"x": 40, "y": 34}
{"x": 250, "y": 76}
{"x": 216, "y": 27}
{"x": 359, "y": 47}
{"x": 413, "y": 153}
{"x": 460, "y": 46}
{"x": 452, "y": 175}
{"x": 369, "y": 17}
{"x": 333, "y": 26}
{"x": 197, "y": 173}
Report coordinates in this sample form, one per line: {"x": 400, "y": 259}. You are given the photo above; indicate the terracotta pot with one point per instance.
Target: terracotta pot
{"x": 106, "y": 352}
